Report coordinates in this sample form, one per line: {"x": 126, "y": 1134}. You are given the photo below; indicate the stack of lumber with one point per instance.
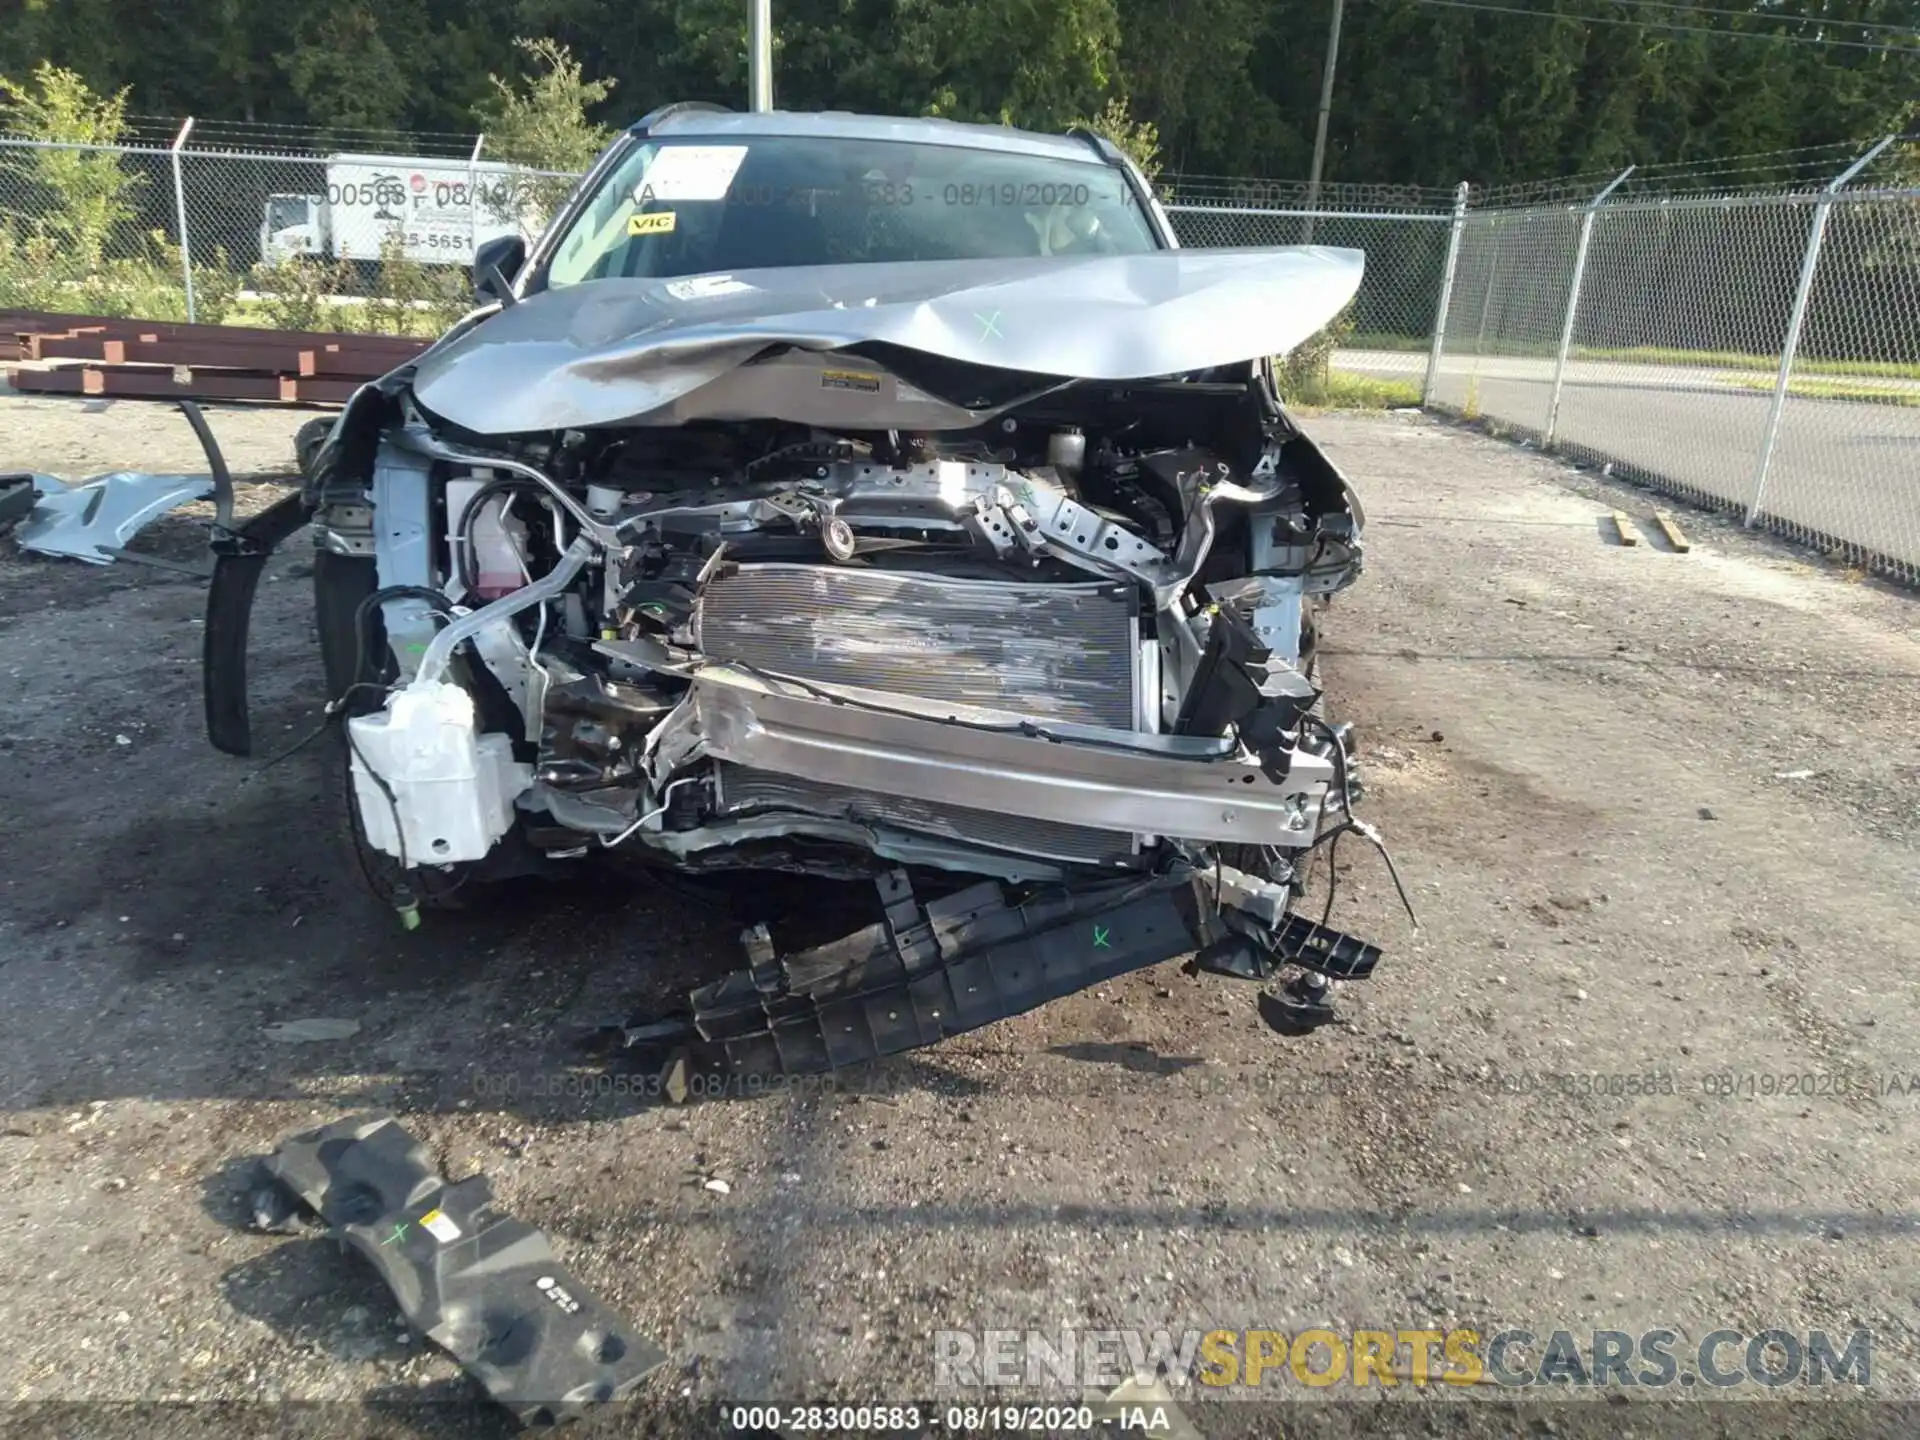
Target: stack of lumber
{"x": 168, "y": 360}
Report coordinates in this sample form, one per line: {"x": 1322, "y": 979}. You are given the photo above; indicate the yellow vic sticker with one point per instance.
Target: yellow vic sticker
{"x": 658, "y": 223}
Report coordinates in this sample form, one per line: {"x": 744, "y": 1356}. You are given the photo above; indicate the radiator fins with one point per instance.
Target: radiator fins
{"x": 1053, "y": 652}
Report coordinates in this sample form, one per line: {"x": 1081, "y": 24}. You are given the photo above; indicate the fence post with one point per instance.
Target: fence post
{"x": 180, "y": 214}
{"x": 473, "y": 196}
{"x": 1809, "y": 265}
{"x": 1446, "y": 289}
{"x": 1573, "y": 301}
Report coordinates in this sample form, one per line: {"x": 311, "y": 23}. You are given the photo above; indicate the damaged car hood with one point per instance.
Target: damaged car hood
{"x": 625, "y": 351}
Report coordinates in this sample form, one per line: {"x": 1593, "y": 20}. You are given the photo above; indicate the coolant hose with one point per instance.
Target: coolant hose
{"x": 433, "y": 665}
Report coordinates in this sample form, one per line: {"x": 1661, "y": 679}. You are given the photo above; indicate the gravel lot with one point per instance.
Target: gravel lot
{"x": 1578, "y": 752}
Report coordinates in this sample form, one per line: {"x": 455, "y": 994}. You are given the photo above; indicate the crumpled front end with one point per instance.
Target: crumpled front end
{"x": 1041, "y": 668}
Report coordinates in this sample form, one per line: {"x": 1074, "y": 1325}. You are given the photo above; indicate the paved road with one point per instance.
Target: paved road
{"x": 1841, "y": 468}
{"x": 1614, "y": 373}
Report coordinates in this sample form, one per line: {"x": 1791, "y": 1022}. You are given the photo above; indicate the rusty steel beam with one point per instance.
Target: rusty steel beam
{"x": 266, "y": 355}
{"x": 76, "y": 347}
{"x": 153, "y": 382}
{"x": 156, "y": 382}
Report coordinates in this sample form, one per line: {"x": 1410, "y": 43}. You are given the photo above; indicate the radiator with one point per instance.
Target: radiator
{"x": 1054, "y": 652}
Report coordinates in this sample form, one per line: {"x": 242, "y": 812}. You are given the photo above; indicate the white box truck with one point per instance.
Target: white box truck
{"x": 440, "y": 209}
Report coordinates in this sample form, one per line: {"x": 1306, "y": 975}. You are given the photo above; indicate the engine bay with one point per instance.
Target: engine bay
{"x": 1064, "y": 649}
{"x": 1110, "y": 589}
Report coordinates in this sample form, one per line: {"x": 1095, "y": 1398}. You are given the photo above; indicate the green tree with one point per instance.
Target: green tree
{"x": 1140, "y": 139}
{"x": 541, "y": 122}
{"x": 85, "y": 194}
{"x": 1425, "y": 94}
{"x": 1036, "y": 63}
{"x": 342, "y": 66}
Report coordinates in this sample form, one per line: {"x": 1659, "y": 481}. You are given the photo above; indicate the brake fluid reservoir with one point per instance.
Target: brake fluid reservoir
{"x": 449, "y": 788}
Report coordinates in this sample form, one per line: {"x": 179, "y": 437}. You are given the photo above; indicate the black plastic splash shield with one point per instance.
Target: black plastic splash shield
{"x": 925, "y": 974}
{"x": 473, "y": 1279}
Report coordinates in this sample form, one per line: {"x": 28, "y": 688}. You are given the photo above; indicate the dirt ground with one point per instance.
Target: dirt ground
{"x": 1659, "y": 814}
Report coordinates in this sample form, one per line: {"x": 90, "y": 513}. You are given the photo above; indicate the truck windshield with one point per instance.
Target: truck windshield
{"x": 682, "y": 207}
{"x": 286, "y": 211}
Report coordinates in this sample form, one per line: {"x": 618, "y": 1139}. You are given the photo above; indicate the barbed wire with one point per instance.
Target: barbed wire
{"x": 1773, "y": 36}
{"x": 1792, "y": 16}
{"x": 1790, "y": 170}
{"x": 1266, "y": 193}
{"x": 303, "y": 140}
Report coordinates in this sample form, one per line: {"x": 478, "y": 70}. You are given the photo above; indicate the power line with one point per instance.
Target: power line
{"x": 1791, "y": 16}
{"x": 1773, "y": 36}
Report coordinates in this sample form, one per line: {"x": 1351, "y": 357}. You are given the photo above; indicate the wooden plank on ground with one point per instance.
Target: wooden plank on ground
{"x": 1672, "y": 531}
{"x": 1624, "y": 524}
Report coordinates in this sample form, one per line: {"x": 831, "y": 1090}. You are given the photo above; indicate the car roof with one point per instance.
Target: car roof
{"x": 844, "y": 125}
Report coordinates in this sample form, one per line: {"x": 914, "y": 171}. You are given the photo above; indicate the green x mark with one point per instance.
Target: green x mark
{"x": 1100, "y": 938}
{"x": 989, "y": 324}
{"x": 398, "y": 1231}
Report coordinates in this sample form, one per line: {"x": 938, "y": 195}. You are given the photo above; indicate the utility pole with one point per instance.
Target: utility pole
{"x": 1320, "y": 125}
{"x": 760, "y": 55}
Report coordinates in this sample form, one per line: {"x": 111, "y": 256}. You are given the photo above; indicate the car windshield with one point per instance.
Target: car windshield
{"x": 687, "y": 207}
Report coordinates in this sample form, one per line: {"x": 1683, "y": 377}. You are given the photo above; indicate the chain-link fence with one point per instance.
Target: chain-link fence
{"x": 347, "y": 241}
{"x": 1382, "y": 343}
{"x": 1758, "y": 353}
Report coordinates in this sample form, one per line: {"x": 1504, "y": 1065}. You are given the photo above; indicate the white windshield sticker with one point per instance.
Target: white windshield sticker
{"x": 690, "y": 172}
{"x": 706, "y": 287}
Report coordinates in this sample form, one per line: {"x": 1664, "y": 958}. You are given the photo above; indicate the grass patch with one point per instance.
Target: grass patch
{"x": 1340, "y": 390}
{"x": 1741, "y": 360}
{"x": 1829, "y": 390}
{"x": 1381, "y": 340}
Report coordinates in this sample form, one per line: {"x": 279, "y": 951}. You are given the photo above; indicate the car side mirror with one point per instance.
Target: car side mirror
{"x": 495, "y": 263}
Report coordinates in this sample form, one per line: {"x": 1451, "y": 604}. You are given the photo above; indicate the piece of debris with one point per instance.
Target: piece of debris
{"x": 93, "y": 521}
{"x": 1793, "y": 774}
{"x": 123, "y": 740}
{"x": 299, "y": 1032}
{"x": 1142, "y": 1403}
{"x": 1623, "y": 523}
{"x": 484, "y": 1286}
{"x": 718, "y": 1187}
{"x": 1672, "y": 531}
{"x": 673, "y": 1079}
{"x": 1706, "y": 814}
